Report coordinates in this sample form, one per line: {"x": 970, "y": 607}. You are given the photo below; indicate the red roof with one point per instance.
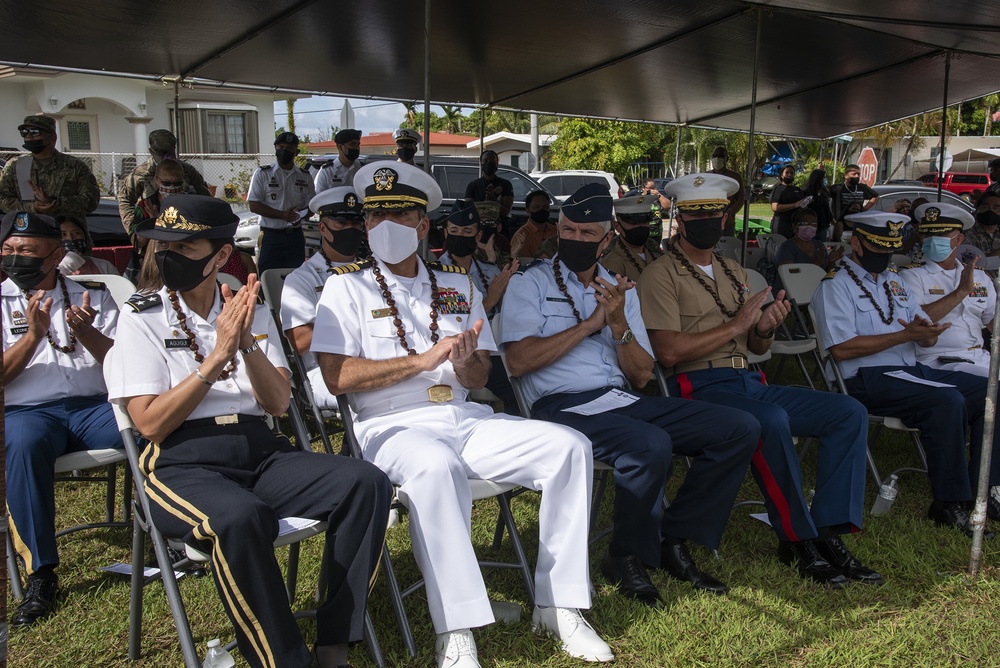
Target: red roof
{"x": 385, "y": 139}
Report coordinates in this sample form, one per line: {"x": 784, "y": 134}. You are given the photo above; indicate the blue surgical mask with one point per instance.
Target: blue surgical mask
{"x": 937, "y": 248}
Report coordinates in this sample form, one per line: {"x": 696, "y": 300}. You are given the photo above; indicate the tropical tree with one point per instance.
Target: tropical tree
{"x": 290, "y": 110}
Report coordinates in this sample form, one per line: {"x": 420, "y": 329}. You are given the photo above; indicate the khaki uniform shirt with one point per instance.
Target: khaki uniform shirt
{"x": 624, "y": 262}
{"x": 61, "y": 177}
{"x": 139, "y": 185}
{"x": 529, "y": 237}
{"x": 673, "y": 300}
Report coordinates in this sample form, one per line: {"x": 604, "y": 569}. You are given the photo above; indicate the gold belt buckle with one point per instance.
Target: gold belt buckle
{"x": 739, "y": 362}
{"x": 227, "y": 419}
{"x": 440, "y": 394}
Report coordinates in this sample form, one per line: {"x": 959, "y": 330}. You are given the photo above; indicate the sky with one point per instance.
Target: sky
{"x": 315, "y": 115}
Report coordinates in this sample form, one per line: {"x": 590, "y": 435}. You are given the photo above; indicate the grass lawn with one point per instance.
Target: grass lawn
{"x": 928, "y": 613}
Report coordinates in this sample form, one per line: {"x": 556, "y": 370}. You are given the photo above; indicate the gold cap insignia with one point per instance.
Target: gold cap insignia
{"x": 173, "y": 220}
{"x": 931, "y": 214}
{"x": 698, "y": 182}
{"x": 640, "y": 200}
{"x": 385, "y": 178}
{"x": 896, "y": 229}
{"x": 351, "y": 200}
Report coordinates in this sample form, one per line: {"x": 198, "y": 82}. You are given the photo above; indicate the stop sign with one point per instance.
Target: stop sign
{"x": 869, "y": 166}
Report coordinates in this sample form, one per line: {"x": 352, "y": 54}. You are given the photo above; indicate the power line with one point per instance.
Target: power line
{"x": 367, "y": 106}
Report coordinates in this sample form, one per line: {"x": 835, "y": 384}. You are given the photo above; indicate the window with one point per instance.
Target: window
{"x": 226, "y": 132}
{"x": 207, "y": 129}
{"x": 968, "y": 178}
{"x": 78, "y": 136}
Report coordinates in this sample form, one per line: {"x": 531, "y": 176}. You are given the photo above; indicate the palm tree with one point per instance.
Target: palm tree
{"x": 990, "y": 103}
{"x": 290, "y": 107}
{"x": 410, "y": 109}
{"x": 451, "y": 117}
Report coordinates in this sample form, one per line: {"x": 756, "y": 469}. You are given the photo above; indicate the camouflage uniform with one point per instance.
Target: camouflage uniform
{"x": 61, "y": 177}
{"x": 139, "y": 185}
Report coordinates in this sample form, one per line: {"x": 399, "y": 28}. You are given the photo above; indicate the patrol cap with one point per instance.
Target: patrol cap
{"x": 936, "y": 217}
{"x": 489, "y": 211}
{"x": 882, "y": 229}
{"x": 190, "y": 217}
{"x": 286, "y": 138}
{"x": 405, "y": 135}
{"x": 162, "y": 141}
{"x": 701, "y": 192}
{"x": 337, "y": 202}
{"x": 591, "y": 203}
{"x": 27, "y": 224}
{"x": 463, "y": 214}
{"x": 635, "y": 210}
{"x": 79, "y": 222}
{"x": 396, "y": 186}
{"x": 347, "y": 135}
{"x": 46, "y": 123}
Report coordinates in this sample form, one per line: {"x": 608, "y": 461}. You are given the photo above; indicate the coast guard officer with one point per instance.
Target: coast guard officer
{"x": 280, "y": 194}
{"x": 702, "y": 322}
{"x": 873, "y": 324}
{"x": 573, "y": 333}
{"x": 406, "y": 340}
{"x": 950, "y": 292}
{"x": 341, "y": 226}
{"x": 56, "y": 334}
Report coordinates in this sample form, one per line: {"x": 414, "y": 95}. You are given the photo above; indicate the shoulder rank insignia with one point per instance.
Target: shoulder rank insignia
{"x": 350, "y": 268}
{"x": 437, "y": 266}
{"x": 141, "y": 302}
{"x": 528, "y": 266}
{"x": 892, "y": 269}
{"x": 833, "y": 272}
{"x": 93, "y": 285}
{"x": 913, "y": 265}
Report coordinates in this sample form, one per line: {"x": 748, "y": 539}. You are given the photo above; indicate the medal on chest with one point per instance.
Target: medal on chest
{"x": 453, "y": 302}
{"x": 897, "y": 290}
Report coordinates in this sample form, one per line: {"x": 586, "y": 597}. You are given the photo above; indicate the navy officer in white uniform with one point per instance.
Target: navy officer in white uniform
{"x": 197, "y": 367}
{"x": 341, "y": 227}
{"x": 873, "y": 324}
{"x": 950, "y": 292}
{"x": 574, "y": 334}
{"x": 56, "y": 334}
{"x": 406, "y": 340}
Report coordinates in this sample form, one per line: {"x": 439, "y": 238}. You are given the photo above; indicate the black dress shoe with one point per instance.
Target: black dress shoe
{"x": 632, "y": 579}
{"x": 810, "y": 563}
{"x": 39, "y": 601}
{"x": 837, "y": 554}
{"x": 952, "y": 514}
{"x": 677, "y": 562}
{"x": 992, "y": 508}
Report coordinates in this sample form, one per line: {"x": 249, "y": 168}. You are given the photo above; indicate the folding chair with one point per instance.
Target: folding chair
{"x": 770, "y": 243}
{"x": 754, "y": 255}
{"x": 877, "y": 421}
{"x": 730, "y": 247}
{"x": 481, "y": 489}
{"x": 794, "y": 347}
{"x": 121, "y": 288}
{"x": 234, "y": 283}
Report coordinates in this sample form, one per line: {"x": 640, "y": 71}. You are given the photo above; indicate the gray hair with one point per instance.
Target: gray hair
{"x": 605, "y": 224}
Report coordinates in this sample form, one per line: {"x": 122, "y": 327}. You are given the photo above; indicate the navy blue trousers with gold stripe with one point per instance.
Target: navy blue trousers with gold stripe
{"x": 222, "y": 489}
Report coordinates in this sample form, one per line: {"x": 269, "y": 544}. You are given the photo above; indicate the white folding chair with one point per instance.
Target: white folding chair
{"x": 730, "y": 247}
{"x": 794, "y": 347}
{"x": 121, "y": 288}
{"x": 877, "y": 421}
{"x": 234, "y": 283}
{"x": 770, "y": 243}
{"x": 900, "y": 260}
{"x": 754, "y": 256}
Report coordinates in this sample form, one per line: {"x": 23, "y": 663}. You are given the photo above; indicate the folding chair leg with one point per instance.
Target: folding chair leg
{"x": 515, "y": 539}
{"x": 13, "y": 572}
{"x": 602, "y": 483}
{"x": 291, "y": 580}
{"x": 397, "y": 602}
{"x": 135, "y": 594}
{"x": 498, "y": 533}
{"x": 324, "y": 581}
{"x": 188, "y": 649}
{"x": 372, "y": 641}
{"x": 109, "y": 508}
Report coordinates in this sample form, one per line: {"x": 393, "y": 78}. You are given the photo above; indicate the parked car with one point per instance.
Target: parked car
{"x": 105, "y": 225}
{"x": 563, "y": 183}
{"x": 967, "y": 185}
{"x": 888, "y": 194}
{"x": 902, "y": 182}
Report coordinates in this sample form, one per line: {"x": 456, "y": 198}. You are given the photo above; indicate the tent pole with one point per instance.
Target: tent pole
{"x": 750, "y": 152}
{"x": 978, "y": 518}
{"x": 677, "y": 150}
{"x": 177, "y": 113}
{"x": 427, "y": 86}
{"x": 944, "y": 123}
{"x": 482, "y": 130}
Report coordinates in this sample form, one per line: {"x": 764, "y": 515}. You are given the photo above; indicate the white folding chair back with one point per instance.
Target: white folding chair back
{"x": 770, "y": 243}
{"x": 900, "y": 260}
{"x": 228, "y": 279}
{"x": 730, "y": 247}
{"x": 121, "y": 288}
{"x": 272, "y": 282}
{"x": 754, "y": 256}
{"x": 800, "y": 281}
{"x": 795, "y": 347}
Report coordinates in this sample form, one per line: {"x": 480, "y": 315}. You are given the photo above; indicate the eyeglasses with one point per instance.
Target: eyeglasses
{"x": 172, "y": 184}
{"x": 31, "y": 132}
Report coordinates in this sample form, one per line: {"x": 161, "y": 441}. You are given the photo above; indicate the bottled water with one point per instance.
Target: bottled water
{"x": 217, "y": 656}
{"x": 886, "y": 495}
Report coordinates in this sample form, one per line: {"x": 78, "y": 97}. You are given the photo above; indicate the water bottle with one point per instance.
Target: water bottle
{"x": 217, "y": 656}
{"x": 886, "y": 495}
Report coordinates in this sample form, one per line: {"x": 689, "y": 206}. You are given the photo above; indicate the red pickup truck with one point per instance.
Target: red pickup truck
{"x": 967, "y": 185}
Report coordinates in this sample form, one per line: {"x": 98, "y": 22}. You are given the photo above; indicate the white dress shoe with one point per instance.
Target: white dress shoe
{"x": 456, "y": 649}
{"x": 579, "y": 639}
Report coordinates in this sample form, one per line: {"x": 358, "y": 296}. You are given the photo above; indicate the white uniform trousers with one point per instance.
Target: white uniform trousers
{"x": 431, "y": 452}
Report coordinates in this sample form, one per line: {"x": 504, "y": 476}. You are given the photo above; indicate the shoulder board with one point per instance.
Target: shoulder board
{"x": 914, "y": 265}
{"x": 833, "y": 272}
{"x": 437, "y": 266}
{"x": 141, "y": 302}
{"x": 528, "y": 266}
{"x": 892, "y": 269}
{"x": 93, "y": 285}
{"x": 328, "y": 163}
{"x": 265, "y": 168}
{"x": 351, "y": 268}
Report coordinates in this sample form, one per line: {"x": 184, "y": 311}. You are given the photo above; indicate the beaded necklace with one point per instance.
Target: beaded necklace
{"x": 635, "y": 262}
{"x": 192, "y": 342}
{"x": 394, "y": 312}
{"x": 48, "y": 334}
{"x": 561, "y": 284}
{"x": 888, "y": 293}
{"x": 741, "y": 297}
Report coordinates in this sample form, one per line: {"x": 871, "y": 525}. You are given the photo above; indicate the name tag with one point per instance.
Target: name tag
{"x": 381, "y": 313}
{"x": 557, "y": 299}
{"x": 936, "y": 291}
{"x": 170, "y": 344}
{"x": 19, "y": 330}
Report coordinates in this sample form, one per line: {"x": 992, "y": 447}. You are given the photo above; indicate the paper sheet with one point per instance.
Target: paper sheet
{"x": 902, "y": 375}
{"x": 303, "y": 213}
{"x": 606, "y": 402}
{"x": 289, "y": 524}
{"x": 147, "y": 572}
{"x": 762, "y": 517}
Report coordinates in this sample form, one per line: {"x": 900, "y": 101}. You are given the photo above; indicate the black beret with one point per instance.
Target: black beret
{"x": 286, "y": 138}
{"x": 27, "y": 224}
{"x": 347, "y": 135}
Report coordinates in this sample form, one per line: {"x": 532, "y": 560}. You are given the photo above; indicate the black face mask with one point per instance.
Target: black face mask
{"x": 704, "y": 233}
{"x": 853, "y": 181}
{"x": 872, "y": 262}
{"x": 541, "y": 216}
{"x": 75, "y": 245}
{"x": 489, "y": 168}
{"x": 180, "y": 273}
{"x": 637, "y": 236}
{"x": 34, "y": 145}
{"x": 406, "y": 153}
{"x": 988, "y": 218}
{"x": 25, "y": 271}
{"x": 353, "y": 153}
{"x": 788, "y": 180}
{"x": 346, "y": 241}
{"x": 460, "y": 246}
{"x": 284, "y": 156}
{"x": 578, "y": 256}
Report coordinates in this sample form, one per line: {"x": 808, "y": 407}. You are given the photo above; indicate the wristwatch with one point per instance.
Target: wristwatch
{"x": 626, "y": 337}
{"x": 254, "y": 346}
